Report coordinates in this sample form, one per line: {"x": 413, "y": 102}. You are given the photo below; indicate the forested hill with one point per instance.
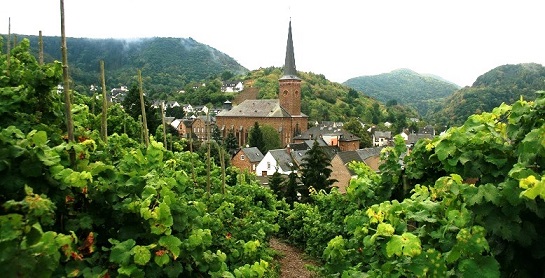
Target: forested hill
{"x": 406, "y": 87}
{"x": 326, "y": 100}
{"x": 167, "y": 64}
{"x": 505, "y": 83}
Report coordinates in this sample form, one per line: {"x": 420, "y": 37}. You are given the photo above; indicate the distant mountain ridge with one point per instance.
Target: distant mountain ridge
{"x": 167, "y": 64}
{"x": 405, "y": 86}
{"x": 503, "y": 84}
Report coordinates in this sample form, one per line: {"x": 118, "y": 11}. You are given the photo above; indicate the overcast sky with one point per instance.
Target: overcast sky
{"x": 455, "y": 39}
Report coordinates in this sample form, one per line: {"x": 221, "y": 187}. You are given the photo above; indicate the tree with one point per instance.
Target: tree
{"x": 355, "y": 127}
{"x": 352, "y": 94}
{"x": 391, "y": 102}
{"x": 131, "y": 104}
{"x": 176, "y": 112}
{"x": 271, "y": 138}
{"x": 231, "y": 144}
{"x": 316, "y": 170}
{"x": 216, "y": 134}
{"x": 120, "y": 122}
{"x": 226, "y": 75}
{"x": 375, "y": 113}
{"x": 276, "y": 184}
{"x": 291, "y": 188}
{"x": 256, "y": 138}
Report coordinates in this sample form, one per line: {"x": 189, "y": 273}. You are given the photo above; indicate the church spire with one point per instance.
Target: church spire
{"x": 289, "y": 66}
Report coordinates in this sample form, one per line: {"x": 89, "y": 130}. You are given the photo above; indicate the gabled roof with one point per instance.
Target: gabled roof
{"x": 325, "y": 130}
{"x": 349, "y": 156}
{"x": 413, "y": 138}
{"x": 330, "y": 151}
{"x": 283, "y": 159}
{"x": 257, "y": 108}
{"x": 176, "y": 123}
{"x": 253, "y": 154}
{"x": 169, "y": 120}
{"x": 369, "y": 152}
{"x": 298, "y": 156}
{"x": 359, "y": 155}
{"x": 299, "y": 146}
{"x": 383, "y": 134}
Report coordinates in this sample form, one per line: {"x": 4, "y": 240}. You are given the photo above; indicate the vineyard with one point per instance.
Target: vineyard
{"x": 468, "y": 202}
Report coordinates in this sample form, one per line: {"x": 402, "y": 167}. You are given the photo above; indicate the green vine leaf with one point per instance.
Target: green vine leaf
{"x": 407, "y": 244}
{"x": 172, "y": 244}
{"x": 121, "y": 251}
{"x": 533, "y": 187}
{"x": 142, "y": 254}
{"x": 482, "y": 266}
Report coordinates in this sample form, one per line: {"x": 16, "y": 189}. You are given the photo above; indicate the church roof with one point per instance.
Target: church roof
{"x": 256, "y": 108}
{"x": 289, "y": 66}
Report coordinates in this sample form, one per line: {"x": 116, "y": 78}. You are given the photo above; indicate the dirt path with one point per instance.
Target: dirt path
{"x": 292, "y": 261}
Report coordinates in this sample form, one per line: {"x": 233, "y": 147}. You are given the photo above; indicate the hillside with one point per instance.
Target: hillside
{"x": 406, "y": 87}
{"x": 326, "y": 100}
{"x": 167, "y": 64}
{"x": 505, "y": 83}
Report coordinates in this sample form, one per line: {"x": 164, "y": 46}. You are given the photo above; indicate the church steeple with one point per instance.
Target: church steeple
{"x": 290, "y": 84}
{"x": 289, "y": 66}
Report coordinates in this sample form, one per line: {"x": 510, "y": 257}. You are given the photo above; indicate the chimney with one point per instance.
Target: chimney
{"x": 227, "y": 105}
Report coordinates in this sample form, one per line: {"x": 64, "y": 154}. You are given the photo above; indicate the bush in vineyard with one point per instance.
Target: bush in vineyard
{"x": 122, "y": 209}
{"x": 503, "y": 154}
{"x": 476, "y": 205}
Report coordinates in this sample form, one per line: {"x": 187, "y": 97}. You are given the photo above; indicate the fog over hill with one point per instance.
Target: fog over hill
{"x": 167, "y": 64}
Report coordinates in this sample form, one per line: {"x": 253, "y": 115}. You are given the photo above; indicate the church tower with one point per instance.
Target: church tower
{"x": 290, "y": 85}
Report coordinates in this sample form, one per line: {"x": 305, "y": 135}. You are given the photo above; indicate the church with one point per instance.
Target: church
{"x": 284, "y": 113}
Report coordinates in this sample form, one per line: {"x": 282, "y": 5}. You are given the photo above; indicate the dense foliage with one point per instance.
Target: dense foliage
{"x": 504, "y": 84}
{"x": 406, "y": 87}
{"x": 167, "y": 64}
{"x": 121, "y": 209}
{"x": 471, "y": 202}
{"x": 315, "y": 172}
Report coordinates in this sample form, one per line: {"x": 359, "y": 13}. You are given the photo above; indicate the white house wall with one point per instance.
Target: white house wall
{"x": 268, "y": 164}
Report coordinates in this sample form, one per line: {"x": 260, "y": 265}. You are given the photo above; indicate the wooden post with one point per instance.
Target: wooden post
{"x": 207, "y": 126}
{"x": 41, "y": 49}
{"x": 143, "y": 106}
{"x": 67, "y": 98}
{"x": 164, "y": 124}
{"x": 193, "y": 176}
{"x": 104, "y": 118}
{"x": 221, "y": 152}
{"x": 9, "y": 46}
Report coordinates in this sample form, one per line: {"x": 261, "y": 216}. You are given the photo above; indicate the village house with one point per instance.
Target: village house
{"x": 275, "y": 160}
{"x": 247, "y": 159}
{"x": 343, "y": 174}
{"x": 333, "y": 134}
{"x": 232, "y": 86}
{"x": 381, "y": 138}
{"x": 118, "y": 94}
{"x": 283, "y": 114}
{"x": 191, "y": 128}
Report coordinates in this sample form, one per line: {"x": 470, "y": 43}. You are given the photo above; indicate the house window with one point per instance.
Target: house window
{"x": 242, "y": 157}
{"x": 268, "y": 165}
{"x": 253, "y": 167}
